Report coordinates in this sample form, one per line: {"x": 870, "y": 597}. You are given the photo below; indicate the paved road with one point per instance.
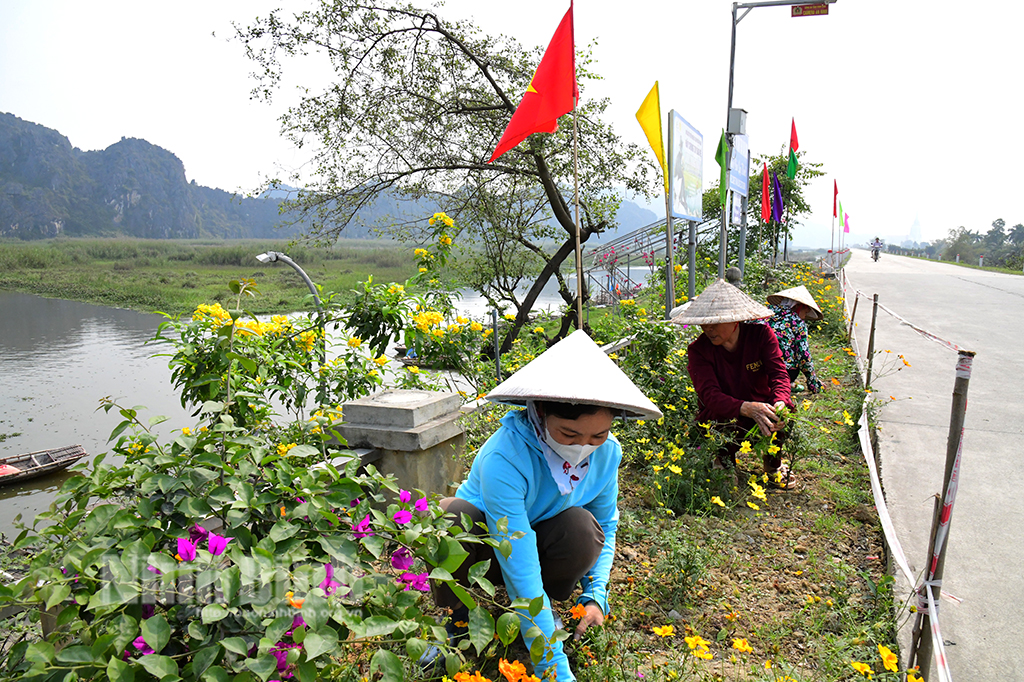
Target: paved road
{"x": 983, "y": 312}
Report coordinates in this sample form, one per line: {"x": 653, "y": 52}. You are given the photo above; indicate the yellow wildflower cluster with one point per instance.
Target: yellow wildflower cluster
{"x": 214, "y": 313}
{"x": 699, "y": 647}
{"x": 138, "y": 449}
{"x": 427, "y": 319}
{"x": 307, "y": 339}
{"x": 475, "y": 326}
{"x": 283, "y": 448}
{"x": 355, "y": 342}
{"x": 443, "y": 217}
{"x": 445, "y": 240}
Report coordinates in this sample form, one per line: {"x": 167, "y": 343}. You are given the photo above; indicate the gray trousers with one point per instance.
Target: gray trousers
{"x": 568, "y": 546}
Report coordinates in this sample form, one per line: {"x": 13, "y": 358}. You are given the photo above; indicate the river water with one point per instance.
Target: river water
{"x": 59, "y": 358}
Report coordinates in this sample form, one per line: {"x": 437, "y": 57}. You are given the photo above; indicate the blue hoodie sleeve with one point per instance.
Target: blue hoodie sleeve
{"x": 504, "y": 489}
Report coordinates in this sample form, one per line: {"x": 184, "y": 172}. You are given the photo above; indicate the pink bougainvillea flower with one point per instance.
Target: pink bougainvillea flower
{"x": 297, "y": 622}
{"x": 197, "y": 533}
{"x": 405, "y": 496}
{"x": 362, "y": 529}
{"x": 141, "y": 646}
{"x": 422, "y": 504}
{"x": 186, "y": 550}
{"x": 218, "y": 544}
{"x": 402, "y": 516}
{"x": 354, "y": 503}
{"x": 329, "y": 584}
{"x": 415, "y": 581}
{"x": 402, "y": 559}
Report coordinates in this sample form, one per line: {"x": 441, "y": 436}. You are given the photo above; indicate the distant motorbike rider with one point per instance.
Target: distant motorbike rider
{"x": 876, "y": 248}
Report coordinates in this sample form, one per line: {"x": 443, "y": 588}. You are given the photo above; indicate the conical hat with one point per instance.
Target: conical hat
{"x": 799, "y": 294}
{"x": 721, "y": 302}
{"x": 575, "y": 370}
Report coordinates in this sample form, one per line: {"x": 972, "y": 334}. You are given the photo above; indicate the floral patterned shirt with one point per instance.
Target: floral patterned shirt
{"x": 791, "y": 332}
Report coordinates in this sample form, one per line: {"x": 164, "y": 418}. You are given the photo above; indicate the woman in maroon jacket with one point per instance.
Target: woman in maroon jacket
{"x": 737, "y": 369}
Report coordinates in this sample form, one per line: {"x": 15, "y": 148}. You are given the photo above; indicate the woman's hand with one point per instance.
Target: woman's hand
{"x": 763, "y": 415}
{"x": 594, "y": 617}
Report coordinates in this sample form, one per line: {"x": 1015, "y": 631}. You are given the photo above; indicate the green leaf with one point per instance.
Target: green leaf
{"x": 156, "y": 632}
{"x": 264, "y": 665}
{"x": 119, "y": 671}
{"x": 159, "y": 666}
{"x": 388, "y": 665}
{"x": 374, "y": 626}
{"x": 452, "y": 663}
{"x": 216, "y": 674}
{"x": 112, "y": 595}
{"x": 315, "y": 611}
{"x": 204, "y": 658}
{"x": 230, "y": 582}
{"x": 537, "y": 649}
{"x": 507, "y": 628}
{"x": 306, "y": 672}
{"x": 282, "y": 530}
{"x": 463, "y": 595}
{"x": 76, "y": 654}
{"x": 456, "y": 555}
{"x": 235, "y": 645}
{"x": 98, "y": 519}
{"x": 303, "y": 451}
{"x": 481, "y": 628}
{"x": 158, "y": 419}
{"x": 213, "y": 612}
{"x": 415, "y": 648}
{"x": 374, "y": 545}
{"x": 505, "y": 547}
{"x": 278, "y": 627}
{"x": 39, "y": 652}
{"x": 440, "y": 574}
{"x": 536, "y": 606}
{"x": 322, "y": 641}
{"x": 57, "y": 595}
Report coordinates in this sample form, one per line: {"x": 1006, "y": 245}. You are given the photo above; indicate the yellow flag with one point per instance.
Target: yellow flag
{"x": 649, "y": 116}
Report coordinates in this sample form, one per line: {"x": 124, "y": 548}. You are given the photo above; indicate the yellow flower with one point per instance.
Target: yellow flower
{"x": 912, "y": 677}
{"x": 186, "y": 432}
{"x": 717, "y": 500}
{"x": 664, "y": 630}
{"x": 889, "y": 660}
{"x": 510, "y": 317}
{"x": 847, "y": 419}
{"x": 742, "y": 645}
{"x": 414, "y": 369}
{"x": 423, "y": 269}
{"x": 772, "y": 449}
{"x": 863, "y": 668}
{"x": 696, "y": 641}
{"x": 475, "y": 326}
{"x": 355, "y": 342}
{"x": 420, "y": 252}
{"x": 538, "y": 330}
{"x": 806, "y": 405}
{"x": 704, "y": 653}
{"x": 454, "y": 328}
{"x": 674, "y": 469}
{"x": 752, "y": 505}
{"x": 745, "y": 447}
{"x": 445, "y": 239}
{"x": 380, "y": 360}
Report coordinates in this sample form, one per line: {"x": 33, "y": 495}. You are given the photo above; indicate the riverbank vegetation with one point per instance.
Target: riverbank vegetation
{"x": 317, "y": 571}
{"x": 175, "y": 276}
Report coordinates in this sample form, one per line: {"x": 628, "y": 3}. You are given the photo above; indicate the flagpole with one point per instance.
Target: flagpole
{"x": 579, "y": 248}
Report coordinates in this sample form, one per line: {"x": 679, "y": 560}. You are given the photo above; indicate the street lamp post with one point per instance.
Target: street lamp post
{"x": 736, "y": 19}
{"x": 273, "y": 257}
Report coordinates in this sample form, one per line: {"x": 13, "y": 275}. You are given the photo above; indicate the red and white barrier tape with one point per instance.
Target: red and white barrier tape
{"x": 938, "y": 646}
{"x": 923, "y": 332}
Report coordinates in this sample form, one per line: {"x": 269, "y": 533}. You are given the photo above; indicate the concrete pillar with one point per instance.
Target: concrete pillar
{"x": 417, "y": 434}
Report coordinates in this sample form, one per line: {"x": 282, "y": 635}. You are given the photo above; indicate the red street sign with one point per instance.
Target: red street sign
{"x": 809, "y": 10}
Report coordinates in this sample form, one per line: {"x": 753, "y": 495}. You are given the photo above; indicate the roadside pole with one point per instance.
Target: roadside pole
{"x": 922, "y": 646}
{"x": 871, "y": 343}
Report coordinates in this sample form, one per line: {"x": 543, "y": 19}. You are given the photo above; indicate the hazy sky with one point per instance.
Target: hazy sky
{"x": 908, "y": 105}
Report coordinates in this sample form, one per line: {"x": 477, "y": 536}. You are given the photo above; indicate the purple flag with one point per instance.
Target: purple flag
{"x": 776, "y": 199}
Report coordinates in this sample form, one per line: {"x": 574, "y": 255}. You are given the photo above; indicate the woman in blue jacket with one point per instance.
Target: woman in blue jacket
{"x": 551, "y": 470}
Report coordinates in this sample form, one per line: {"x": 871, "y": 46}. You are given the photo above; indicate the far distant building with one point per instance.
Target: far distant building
{"x": 915, "y": 230}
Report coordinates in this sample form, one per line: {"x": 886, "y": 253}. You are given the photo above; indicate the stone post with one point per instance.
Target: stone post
{"x": 417, "y": 434}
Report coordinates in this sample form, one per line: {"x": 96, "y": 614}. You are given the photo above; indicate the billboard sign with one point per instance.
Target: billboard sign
{"x": 813, "y": 10}
{"x": 685, "y": 168}
{"x": 739, "y": 166}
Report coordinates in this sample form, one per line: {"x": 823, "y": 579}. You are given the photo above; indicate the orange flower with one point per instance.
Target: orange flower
{"x": 296, "y": 603}
{"x": 835, "y": 381}
{"x": 578, "y": 611}
{"x": 513, "y": 671}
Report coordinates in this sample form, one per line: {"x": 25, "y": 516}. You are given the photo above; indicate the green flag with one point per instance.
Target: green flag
{"x": 722, "y": 157}
{"x": 794, "y": 145}
{"x": 791, "y": 168}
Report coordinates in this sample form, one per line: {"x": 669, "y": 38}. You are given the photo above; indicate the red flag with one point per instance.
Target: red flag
{"x": 552, "y": 92}
{"x": 794, "y": 143}
{"x": 766, "y": 200}
{"x": 835, "y": 195}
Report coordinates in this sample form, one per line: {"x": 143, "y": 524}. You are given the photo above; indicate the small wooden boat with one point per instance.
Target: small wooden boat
{"x": 23, "y": 467}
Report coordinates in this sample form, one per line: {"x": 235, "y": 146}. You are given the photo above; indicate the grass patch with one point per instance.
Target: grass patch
{"x": 176, "y": 276}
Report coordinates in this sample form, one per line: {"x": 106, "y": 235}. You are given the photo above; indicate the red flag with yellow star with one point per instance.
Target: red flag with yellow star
{"x": 551, "y": 93}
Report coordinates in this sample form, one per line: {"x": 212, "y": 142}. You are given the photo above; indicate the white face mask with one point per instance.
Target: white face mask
{"x": 573, "y": 454}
